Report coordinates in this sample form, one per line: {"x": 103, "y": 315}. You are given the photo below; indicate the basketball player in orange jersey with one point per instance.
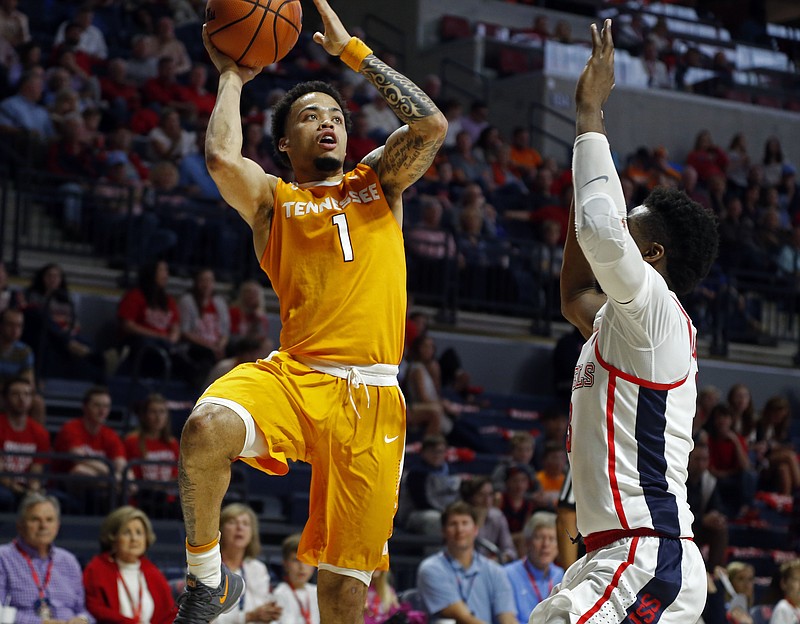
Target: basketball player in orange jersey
{"x": 331, "y": 243}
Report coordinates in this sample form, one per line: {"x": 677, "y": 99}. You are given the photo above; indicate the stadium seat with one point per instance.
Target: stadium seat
{"x": 452, "y": 27}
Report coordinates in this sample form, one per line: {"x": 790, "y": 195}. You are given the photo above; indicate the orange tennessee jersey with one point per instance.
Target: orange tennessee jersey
{"x": 336, "y": 260}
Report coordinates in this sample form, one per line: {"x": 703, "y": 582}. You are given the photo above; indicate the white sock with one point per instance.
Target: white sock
{"x": 204, "y": 563}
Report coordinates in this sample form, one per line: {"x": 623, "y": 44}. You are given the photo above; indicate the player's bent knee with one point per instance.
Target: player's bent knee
{"x": 214, "y": 427}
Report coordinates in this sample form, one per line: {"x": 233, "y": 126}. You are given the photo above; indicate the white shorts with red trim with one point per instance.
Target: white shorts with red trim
{"x": 641, "y": 580}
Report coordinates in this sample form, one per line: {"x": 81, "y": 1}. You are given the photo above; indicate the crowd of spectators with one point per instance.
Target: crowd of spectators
{"x": 192, "y": 336}
{"x": 115, "y": 98}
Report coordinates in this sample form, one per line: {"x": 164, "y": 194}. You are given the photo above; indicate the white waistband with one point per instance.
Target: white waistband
{"x": 373, "y": 375}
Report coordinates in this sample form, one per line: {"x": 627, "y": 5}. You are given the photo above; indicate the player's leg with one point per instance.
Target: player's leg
{"x": 252, "y": 413}
{"x": 341, "y": 598}
{"x": 212, "y": 438}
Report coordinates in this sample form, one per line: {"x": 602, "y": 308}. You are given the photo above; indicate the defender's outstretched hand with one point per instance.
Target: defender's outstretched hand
{"x": 225, "y": 63}
{"x": 597, "y": 79}
{"x": 336, "y": 36}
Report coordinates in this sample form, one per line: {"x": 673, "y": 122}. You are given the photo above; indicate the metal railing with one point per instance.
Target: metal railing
{"x": 464, "y": 80}
{"x": 387, "y": 37}
{"x": 537, "y": 128}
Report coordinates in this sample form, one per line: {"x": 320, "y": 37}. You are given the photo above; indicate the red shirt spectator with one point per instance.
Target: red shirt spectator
{"x": 31, "y": 437}
{"x": 21, "y": 434}
{"x": 116, "y": 86}
{"x": 137, "y": 447}
{"x": 164, "y": 88}
{"x": 706, "y": 158}
{"x": 74, "y": 436}
{"x": 134, "y": 308}
{"x": 195, "y": 92}
{"x": 101, "y": 579}
{"x": 359, "y": 143}
{"x": 90, "y": 438}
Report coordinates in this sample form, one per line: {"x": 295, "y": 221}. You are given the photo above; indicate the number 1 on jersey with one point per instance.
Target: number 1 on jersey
{"x": 340, "y": 221}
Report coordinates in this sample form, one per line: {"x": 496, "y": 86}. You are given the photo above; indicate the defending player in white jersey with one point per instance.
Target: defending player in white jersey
{"x": 634, "y": 389}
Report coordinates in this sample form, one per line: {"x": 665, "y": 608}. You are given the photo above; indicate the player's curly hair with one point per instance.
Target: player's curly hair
{"x": 688, "y": 233}
{"x": 280, "y": 112}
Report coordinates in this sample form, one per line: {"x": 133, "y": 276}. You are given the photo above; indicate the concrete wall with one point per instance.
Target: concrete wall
{"x": 637, "y": 117}
{"x": 514, "y": 365}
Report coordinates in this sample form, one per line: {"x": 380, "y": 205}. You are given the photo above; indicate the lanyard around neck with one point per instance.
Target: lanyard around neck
{"x": 137, "y": 605}
{"x": 532, "y": 578}
{"x": 40, "y": 586}
{"x": 305, "y": 610}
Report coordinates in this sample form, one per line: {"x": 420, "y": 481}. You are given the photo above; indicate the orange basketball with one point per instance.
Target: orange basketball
{"x": 254, "y": 33}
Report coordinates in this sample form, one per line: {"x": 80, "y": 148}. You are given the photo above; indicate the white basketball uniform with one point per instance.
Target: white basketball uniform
{"x": 629, "y": 438}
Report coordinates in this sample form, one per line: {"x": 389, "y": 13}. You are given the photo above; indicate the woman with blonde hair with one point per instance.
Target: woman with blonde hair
{"x": 742, "y": 576}
{"x": 122, "y": 585}
{"x": 787, "y": 610}
{"x": 240, "y": 546}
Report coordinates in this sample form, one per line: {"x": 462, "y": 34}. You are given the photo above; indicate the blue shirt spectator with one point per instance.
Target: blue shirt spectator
{"x": 533, "y": 577}
{"x": 23, "y": 112}
{"x": 459, "y": 583}
{"x": 195, "y": 178}
{"x": 41, "y": 581}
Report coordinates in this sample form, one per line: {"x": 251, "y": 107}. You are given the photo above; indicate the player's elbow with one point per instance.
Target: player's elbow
{"x": 441, "y": 124}
{"x": 217, "y": 160}
{"x": 433, "y": 126}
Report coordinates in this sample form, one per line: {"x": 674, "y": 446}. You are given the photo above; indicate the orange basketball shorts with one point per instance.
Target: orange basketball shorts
{"x": 356, "y": 456}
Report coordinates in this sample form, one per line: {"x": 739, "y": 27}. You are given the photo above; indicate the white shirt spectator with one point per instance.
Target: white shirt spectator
{"x": 92, "y": 40}
{"x": 380, "y": 118}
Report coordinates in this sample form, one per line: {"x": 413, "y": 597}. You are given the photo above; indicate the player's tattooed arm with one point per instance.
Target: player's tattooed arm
{"x": 407, "y": 100}
{"x": 410, "y": 150}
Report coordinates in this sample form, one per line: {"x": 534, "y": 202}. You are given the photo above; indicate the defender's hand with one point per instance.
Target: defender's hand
{"x": 225, "y": 63}
{"x": 597, "y": 79}
{"x": 336, "y": 36}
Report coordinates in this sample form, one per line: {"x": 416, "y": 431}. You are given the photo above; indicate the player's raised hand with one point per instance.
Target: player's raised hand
{"x": 225, "y": 63}
{"x": 597, "y": 78}
{"x": 336, "y": 36}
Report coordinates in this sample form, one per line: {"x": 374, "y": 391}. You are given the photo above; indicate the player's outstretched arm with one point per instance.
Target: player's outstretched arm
{"x": 580, "y": 301}
{"x": 600, "y": 215}
{"x": 410, "y": 150}
{"x": 243, "y": 183}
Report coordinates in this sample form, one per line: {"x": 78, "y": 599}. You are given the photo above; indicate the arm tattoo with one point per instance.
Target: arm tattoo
{"x": 411, "y": 154}
{"x": 407, "y": 100}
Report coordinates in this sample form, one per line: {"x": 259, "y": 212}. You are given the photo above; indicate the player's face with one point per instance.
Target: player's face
{"x": 131, "y": 542}
{"x": 316, "y": 133}
{"x": 543, "y": 547}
